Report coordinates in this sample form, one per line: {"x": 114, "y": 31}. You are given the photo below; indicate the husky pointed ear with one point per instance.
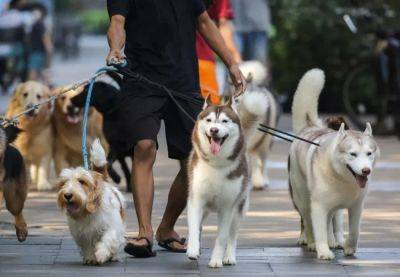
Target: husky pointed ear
{"x": 207, "y": 102}
{"x": 368, "y": 130}
{"x": 340, "y": 135}
{"x": 230, "y": 101}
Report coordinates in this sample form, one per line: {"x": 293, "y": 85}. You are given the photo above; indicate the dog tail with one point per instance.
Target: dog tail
{"x": 98, "y": 157}
{"x": 305, "y": 101}
{"x": 253, "y": 109}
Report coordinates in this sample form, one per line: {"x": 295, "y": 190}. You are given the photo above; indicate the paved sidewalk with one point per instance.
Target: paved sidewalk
{"x": 59, "y": 257}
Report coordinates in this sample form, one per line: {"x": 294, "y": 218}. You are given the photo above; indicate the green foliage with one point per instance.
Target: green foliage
{"x": 312, "y": 33}
{"x": 95, "y": 21}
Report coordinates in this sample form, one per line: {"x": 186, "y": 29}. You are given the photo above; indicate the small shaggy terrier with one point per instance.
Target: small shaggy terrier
{"x": 95, "y": 209}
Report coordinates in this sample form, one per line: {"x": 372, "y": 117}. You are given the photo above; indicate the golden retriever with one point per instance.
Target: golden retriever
{"x": 67, "y": 120}
{"x": 36, "y": 141}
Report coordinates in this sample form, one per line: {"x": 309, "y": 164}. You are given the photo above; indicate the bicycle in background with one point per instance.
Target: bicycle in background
{"x": 371, "y": 91}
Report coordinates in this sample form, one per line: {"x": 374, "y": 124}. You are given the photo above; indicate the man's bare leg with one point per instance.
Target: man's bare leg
{"x": 177, "y": 199}
{"x": 143, "y": 187}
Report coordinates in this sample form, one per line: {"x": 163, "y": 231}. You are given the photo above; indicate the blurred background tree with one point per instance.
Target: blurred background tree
{"x": 312, "y": 33}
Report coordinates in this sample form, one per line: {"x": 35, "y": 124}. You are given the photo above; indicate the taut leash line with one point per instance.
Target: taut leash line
{"x": 14, "y": 120}
{"x": 266, "y": 129}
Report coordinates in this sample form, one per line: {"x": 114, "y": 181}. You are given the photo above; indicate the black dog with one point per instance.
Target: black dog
{"x": 105, "y": 98}
{"x": 13, "y": 179}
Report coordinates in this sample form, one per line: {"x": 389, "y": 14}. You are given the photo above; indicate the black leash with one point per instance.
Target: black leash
{"x": 266, "y": 129}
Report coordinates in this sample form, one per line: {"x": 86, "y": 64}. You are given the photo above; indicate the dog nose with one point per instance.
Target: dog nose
{"x": 366, "y": 171}
{"x": 71, "y": 109}
{"x": 68, "y": 196}
{"x": 214, "y": 131}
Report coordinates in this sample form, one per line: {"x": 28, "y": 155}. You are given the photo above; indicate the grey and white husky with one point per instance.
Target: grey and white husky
{"x": 324, "y": 180}
{"x": 219, "y": 177}
{"x": 259, "y": 144}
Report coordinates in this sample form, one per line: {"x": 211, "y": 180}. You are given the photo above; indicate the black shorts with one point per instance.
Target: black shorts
{"x": 141, "y": 117}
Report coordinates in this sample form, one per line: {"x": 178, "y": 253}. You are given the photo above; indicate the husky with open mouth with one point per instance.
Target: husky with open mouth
{"x": 323, "y": 180}
{"x": 219, "y": 179}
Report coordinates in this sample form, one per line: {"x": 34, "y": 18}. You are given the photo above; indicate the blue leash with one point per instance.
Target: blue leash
{"x": 86, "y": 113}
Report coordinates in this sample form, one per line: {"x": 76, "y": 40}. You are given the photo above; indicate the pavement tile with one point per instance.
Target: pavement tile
{"x": 25, "y": 270}
{"x": 308, "y": 269}
{"x": 79, "y": 269}
{"x": 287, "y": 252}
{"x": 248, "y": 267}
{"x": 372, "y": 270}
{"x": 170, "y": 263}
{"x": 18, "y": 259}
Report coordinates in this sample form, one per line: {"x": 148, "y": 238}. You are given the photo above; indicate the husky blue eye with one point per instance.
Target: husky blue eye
{"x": 353, "y": 154}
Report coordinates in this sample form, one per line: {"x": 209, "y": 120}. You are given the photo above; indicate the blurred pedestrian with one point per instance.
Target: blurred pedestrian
{"x": 41, "y": 46}
{"x": 221, "y": 12}
{"x": 252, "y": 22}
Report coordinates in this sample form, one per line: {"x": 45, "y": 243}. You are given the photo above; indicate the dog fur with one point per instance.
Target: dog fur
{"x": 327, "y": 179}
{"x": 13, "y": 180}
{"x": 67, "y": 120}
{"x": 36, "y": 141}
{"x": 219, "y": 179}
{"x": 258, "y": 106}
{"x": 95, "y": 209}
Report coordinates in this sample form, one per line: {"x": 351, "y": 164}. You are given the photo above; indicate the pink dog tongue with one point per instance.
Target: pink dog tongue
{"x": 72, "y": 119}
{"x": 215, "y": 147}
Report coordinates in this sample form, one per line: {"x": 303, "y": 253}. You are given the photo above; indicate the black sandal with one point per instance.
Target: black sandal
{"x": 140, "y": 251}
{"x": 166, "y": 245}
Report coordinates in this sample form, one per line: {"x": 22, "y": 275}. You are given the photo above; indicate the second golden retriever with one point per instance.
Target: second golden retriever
{"x": 67, "y": 120}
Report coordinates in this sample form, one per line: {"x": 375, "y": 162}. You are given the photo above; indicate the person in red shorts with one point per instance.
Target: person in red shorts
{"x": 222, "y": 13}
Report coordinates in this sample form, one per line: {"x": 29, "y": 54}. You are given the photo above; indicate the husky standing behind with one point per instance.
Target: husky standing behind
{"x": 328, "y": 178}
{"x": 219, "y": 178}
{"x": 259, "y": 143}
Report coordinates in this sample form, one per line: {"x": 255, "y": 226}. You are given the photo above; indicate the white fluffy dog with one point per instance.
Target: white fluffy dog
{"x": 95, "y": 209}
{"x": 323, "y": 180}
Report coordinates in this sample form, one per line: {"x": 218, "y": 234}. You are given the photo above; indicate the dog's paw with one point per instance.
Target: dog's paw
{"x": 311, "y": 247}
{"x": 115, "y": 258}
{"x": 302, "y": 240}
{"x": 88, "y": 261}
{"x": 21, "y": 232}
{"x": 193, "y": 254}
{"x": 259, "y": 186}
{"x": 215, "y": 263}
{"x": 229, "y": 260}
{"x": 349, "y": 250}
{"x": 325, "y": 255}
{"x": 102, "y": 255}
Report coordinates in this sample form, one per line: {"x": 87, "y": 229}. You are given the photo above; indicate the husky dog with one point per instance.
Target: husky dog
{"x": 323, "y": 180}
{"x": 95, "y": 209}
{"x": 258, "y": 143}
{"x": 219, "y": 178}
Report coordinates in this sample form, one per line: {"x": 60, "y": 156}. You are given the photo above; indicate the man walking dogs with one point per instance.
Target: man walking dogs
{"x": 158, "y": 38}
